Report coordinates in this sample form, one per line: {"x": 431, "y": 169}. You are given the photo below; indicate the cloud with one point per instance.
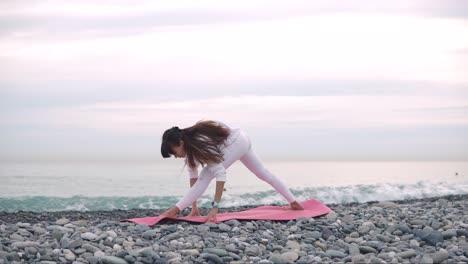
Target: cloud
{"x": 103, "y": 68}
{"x": 323, "y": 47}
{"x": 324, "y": 112}
{"x": 98, "y": 18}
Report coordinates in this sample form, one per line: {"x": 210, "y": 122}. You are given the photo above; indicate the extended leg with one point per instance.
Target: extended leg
{"x": 251, "y": 161}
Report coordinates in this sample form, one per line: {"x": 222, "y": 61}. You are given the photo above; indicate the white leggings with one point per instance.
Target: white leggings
{"x": 240, "y": 149}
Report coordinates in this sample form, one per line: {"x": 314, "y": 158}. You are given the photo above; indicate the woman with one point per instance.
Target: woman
{"x": 215, "y": 146}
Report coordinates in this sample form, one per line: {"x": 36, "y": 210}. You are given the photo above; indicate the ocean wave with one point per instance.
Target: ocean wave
{"x": 326, "y": 194}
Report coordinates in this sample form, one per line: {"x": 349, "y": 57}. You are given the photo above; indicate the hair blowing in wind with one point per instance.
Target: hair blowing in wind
{"x": 202, "y": 142}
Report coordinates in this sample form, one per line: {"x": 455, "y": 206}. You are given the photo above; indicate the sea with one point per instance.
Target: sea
{"x": 107, "y": 185}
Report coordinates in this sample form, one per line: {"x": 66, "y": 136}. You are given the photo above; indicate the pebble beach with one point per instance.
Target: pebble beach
{"x": 430, "y": 230}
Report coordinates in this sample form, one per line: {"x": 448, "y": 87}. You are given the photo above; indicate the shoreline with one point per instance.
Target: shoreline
{"x": 427, "y": 230}
{"x": 118, "y": 214}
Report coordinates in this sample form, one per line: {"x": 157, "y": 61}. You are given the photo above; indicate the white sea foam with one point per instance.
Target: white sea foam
{"x": 108, "y": 186}
{"x": 327, "y": 195}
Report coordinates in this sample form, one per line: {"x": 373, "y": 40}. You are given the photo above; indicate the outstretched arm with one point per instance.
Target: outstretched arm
{"x": 207, "y": 174}
{"x": 174, "y": 211}
{"x": 219, "y": 191}
{"x": 218, "y": 194}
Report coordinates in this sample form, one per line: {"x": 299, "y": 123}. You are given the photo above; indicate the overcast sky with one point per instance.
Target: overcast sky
{"x": 316, "y": 80}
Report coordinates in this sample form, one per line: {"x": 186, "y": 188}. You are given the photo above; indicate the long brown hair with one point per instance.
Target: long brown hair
{"x": 202, "y": 142}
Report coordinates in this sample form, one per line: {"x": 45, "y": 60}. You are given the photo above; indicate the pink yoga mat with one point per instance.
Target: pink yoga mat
{"x": 312, "y": 208}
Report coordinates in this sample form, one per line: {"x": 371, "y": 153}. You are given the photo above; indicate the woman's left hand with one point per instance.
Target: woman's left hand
{"x": 212, "y": 215}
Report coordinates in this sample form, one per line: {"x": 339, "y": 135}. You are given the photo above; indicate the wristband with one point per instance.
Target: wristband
{"x": 214, "y": 204}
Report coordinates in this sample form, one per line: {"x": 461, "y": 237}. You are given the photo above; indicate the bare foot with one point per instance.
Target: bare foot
{"x": 171, "y": 212}
{"x": 194, "y": 213}
{"x": 294, "y": 206}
